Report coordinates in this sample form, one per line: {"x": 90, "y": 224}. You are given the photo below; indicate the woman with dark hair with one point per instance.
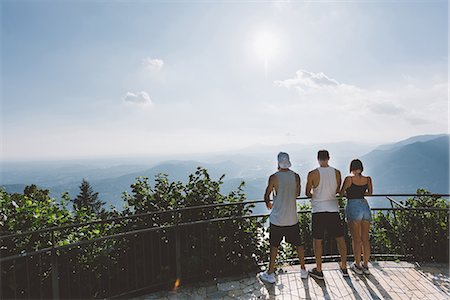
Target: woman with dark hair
{"x": 358, "y": 215}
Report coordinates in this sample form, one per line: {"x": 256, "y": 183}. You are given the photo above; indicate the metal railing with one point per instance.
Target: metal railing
{"x": 145, "y": 257}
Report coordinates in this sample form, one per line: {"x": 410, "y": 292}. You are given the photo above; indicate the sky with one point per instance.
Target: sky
{"x": 107, "y": 78}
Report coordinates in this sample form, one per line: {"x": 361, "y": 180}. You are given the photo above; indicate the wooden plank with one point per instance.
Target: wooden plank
{"x": 382, "y": 278}
{"x": 438, "y": 280}
{"x": 422, "y": 283}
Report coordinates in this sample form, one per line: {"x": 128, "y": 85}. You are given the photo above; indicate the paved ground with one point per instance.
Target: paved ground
{"x": 389, "y": 280}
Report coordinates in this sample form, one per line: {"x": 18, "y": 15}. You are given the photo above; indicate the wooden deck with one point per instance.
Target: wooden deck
{"x": 389, "y": 280}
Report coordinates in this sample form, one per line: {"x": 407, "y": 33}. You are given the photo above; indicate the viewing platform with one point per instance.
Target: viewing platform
{"x": 388, "y": 280}
{"x": 215, "y": 251}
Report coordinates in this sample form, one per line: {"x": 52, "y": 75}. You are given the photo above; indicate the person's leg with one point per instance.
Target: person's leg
{"x": 355, "y": 231}
{"x": 318, "y": 231}
{"x": 301, "y": 256}
{"x": 317, "y": 244}
{"x": 342, "y": 247}
{"x": 273, "y": 257}
{"x": 294, "y": 238}
{"x": 336, "y": 229}
{"x": 365, "y": 228}
{"x": 275, "y": 237}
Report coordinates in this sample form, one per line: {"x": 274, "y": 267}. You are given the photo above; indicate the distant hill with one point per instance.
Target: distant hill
{"x": 411, "y": 140}
{"x": 111, "y": 189}
{"x": 404, "y": 167}
{"x": 60, "y": 173}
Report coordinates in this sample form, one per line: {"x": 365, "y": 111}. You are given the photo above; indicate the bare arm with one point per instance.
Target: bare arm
{"x": 270, "y": 188}
{"x": 345, "y": 186}
{"x": 369, "y": 187}
{"x": 339, "y": 181}
{"x": 309, "y": 184}
{"x": 298, "y": 182}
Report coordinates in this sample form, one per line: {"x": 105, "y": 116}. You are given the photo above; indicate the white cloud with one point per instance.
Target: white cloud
{"x": 141, "y": 98}
{"x": 305, "y": 81}
{"x": 321, "y": 91}
{"x": 153, "y": 63}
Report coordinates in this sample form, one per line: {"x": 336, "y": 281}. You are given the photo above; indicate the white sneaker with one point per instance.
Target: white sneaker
{"x": 270, "y": 278}
{"x": 303, "y": 274}
{"x": 366, "y": 270}
{"x": 357, "y": 269}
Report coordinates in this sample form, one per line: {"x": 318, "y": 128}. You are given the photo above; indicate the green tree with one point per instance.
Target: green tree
{"x": 88, "y": 199}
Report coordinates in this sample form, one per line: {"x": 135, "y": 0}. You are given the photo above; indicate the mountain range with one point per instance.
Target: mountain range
{"x": 402, "y": 167}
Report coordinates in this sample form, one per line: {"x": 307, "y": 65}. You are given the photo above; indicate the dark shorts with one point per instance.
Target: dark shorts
{"x": 290, "y": 233}
{"x": 329, "y": 222}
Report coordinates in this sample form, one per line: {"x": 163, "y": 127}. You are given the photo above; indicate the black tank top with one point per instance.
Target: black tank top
{"x": 356, "y": 191}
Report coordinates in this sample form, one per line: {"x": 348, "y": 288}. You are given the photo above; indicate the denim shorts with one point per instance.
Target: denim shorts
{"x": 358, "y": 210}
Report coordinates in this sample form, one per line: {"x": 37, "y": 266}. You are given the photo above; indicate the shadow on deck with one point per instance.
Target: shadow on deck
{"x": 389, "y": 280}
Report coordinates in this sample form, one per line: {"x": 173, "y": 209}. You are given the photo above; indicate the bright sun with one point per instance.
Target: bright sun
{"x": 266, "y": 45}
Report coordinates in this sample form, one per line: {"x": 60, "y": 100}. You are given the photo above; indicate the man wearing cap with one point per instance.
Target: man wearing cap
{"x": 322, "y": 186}
{"x": 285, "y": 187}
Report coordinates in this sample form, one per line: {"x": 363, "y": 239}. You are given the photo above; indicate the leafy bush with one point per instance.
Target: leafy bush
{"x": 215, "y": 247}
{"x": 418, "y": 234}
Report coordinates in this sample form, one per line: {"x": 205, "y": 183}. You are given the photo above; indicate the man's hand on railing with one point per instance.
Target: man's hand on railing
{"x": 269, "y": 205}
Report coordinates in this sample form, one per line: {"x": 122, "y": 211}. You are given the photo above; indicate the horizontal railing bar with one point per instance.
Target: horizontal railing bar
{"x": 204, "y": 221}
{"x": 122, "y": 234}
{"x": 25, "y": 254}
{"x": 118, "y": 235}
{"x": 213, "y": 205}
{"x": 128, "y": 217}
{"x": 134, "y": 216}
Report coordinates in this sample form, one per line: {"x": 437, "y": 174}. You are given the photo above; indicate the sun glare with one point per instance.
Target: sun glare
{"x": 266, "y": 45}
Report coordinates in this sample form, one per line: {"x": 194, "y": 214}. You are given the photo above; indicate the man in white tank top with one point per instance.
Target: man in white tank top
{"x": 322, "y": 186}
{"x": 284, "y": 185}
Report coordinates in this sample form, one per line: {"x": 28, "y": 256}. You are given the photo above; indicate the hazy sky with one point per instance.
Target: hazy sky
{"x": 82, "y": 78}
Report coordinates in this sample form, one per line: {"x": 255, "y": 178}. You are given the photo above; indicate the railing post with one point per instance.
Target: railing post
{"x": 54, "y": 266}
{"x": 177, "y": 250}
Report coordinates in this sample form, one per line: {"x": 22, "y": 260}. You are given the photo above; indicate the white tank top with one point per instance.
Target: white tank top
{"x": 284, "y": 209}
{"x": 324, "y": 195}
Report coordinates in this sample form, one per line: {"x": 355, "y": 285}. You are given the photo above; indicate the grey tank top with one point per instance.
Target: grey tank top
{"x": 284, "y": 209}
